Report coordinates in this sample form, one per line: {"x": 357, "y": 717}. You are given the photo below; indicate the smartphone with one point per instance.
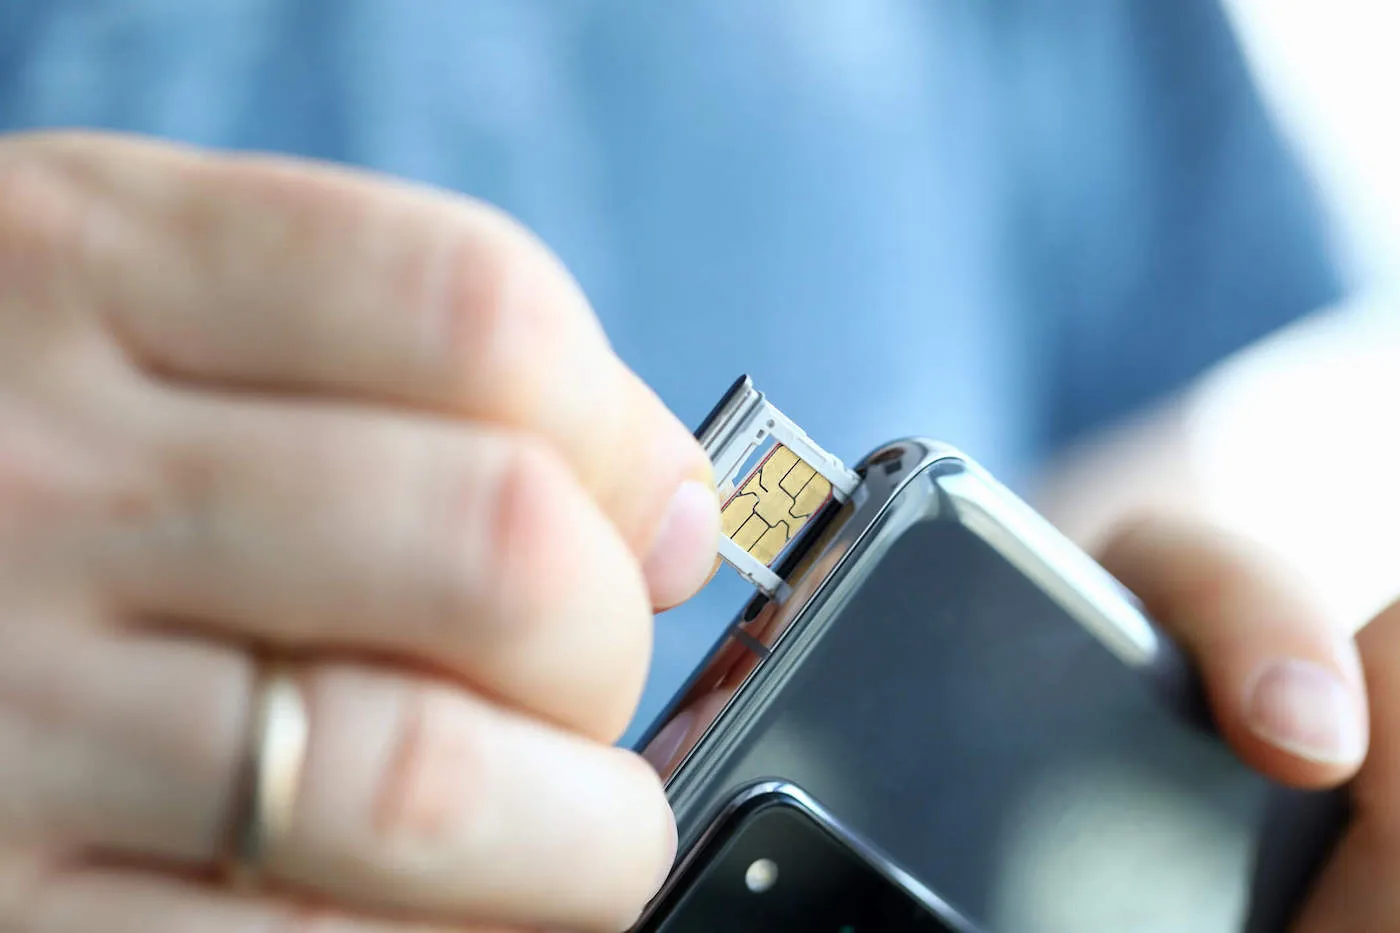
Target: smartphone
{"x": 979, "y": 724}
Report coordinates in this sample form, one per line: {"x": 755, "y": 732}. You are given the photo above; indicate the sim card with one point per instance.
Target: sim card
{"x": 772, "y": 479}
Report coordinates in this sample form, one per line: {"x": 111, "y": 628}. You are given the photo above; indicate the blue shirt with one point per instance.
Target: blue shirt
{"x": 997, "y": 222}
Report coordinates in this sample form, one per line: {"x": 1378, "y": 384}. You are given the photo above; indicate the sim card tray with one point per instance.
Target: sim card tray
{"x": 752, "y": 569}
{"x": 739, "y": 425}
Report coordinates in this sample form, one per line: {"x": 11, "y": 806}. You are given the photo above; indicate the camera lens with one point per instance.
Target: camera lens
{"x": 762, "y": 874}
{"x": 827, "y": 885}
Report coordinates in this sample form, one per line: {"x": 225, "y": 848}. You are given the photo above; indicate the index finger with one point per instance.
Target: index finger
{"x": 288, "y": 276}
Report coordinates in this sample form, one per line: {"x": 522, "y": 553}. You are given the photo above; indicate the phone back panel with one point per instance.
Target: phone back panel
{"x": 967, "y": 695}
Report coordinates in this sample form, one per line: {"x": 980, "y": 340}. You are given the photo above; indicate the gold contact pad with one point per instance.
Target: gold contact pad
{"x": 775, "y": 501}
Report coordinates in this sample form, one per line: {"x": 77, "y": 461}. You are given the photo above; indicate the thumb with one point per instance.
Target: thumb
{"x": 1285, "y": 688}
{"x": 1360, "y": 890}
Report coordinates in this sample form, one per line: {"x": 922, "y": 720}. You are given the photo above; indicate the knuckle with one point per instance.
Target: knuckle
{"x": 168, "y": 509}
{"x": 549, "y": 543}
{"x": 533, "y": 513}
{"x": 564, "y": 600}
{"x": 180, "y": 494}
{"x": 479, "y": 302}
{"x": 503, "y": 310}
{"x": 532, "y": 487}
{"x": 431, "y": 791}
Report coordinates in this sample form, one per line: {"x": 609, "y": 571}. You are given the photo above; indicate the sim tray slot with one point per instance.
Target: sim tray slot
{"x": 766, "y": 510}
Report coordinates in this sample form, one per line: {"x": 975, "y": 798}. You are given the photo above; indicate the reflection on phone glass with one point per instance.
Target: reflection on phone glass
{"x": 774, "y": 866}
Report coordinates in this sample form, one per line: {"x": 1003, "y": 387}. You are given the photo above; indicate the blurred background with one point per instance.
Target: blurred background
{"x": 1326, "y": 72}
{"x": 1296, "y": 439}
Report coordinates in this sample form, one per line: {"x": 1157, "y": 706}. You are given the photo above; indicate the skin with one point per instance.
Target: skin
{"x": 248, "y": 402}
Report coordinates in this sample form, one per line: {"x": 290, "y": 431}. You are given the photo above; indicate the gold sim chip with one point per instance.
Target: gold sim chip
{"x": 776, "y": 500}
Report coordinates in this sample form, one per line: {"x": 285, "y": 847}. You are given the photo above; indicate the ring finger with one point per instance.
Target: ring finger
{"x": 416, "y": 798}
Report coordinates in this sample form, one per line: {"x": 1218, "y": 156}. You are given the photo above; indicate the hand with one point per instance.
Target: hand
{"x": 248, "y": 403}
{"x": 1291, "y": 695}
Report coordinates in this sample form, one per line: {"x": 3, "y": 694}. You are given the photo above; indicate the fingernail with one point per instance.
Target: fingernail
{"x": 685, "y": 545}
{"x": 1307, "y": 710}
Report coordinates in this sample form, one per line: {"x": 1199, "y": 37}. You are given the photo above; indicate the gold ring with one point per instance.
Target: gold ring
{"x": 269, "y": 774}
